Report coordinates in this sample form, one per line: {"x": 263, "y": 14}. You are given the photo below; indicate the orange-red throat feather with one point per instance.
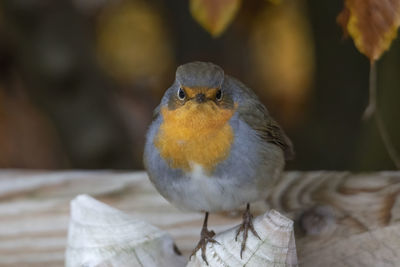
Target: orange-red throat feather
{"x": 195, "y": 134}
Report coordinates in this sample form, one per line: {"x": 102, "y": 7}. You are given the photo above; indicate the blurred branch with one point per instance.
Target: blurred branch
{"x": 372, "y": 109}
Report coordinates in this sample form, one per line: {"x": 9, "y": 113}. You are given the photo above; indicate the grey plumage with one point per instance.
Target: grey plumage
{"x": 200, "y": 74}
{"x": 256, "y": 115}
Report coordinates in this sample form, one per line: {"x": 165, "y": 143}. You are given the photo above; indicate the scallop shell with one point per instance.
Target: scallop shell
{"x": 276, "y": 247}
{"x": 100, "y": 235}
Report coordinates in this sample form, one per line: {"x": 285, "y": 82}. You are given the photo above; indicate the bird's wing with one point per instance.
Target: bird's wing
{"x": 255, "y": 114}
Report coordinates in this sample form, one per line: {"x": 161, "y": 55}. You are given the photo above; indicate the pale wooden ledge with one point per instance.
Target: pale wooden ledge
{"x": 342, "y": 219}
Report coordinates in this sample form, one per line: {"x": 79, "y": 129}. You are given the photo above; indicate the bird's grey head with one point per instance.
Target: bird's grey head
{"x": 201, "y": 82}
{"x": 200, "y": 74}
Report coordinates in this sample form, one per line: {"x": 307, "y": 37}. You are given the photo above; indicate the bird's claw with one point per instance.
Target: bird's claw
{"x": 206, "y": 237}
{"x": 246, "y": 225}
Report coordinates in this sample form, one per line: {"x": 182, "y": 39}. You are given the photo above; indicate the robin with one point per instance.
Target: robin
{"x": 213, "y": 146}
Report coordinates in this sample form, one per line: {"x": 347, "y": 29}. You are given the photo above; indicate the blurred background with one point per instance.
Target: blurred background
{"x": 79, "y": 79}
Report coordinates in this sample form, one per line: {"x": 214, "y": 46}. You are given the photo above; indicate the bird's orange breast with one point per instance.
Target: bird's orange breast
{"x": 195, "y": 134}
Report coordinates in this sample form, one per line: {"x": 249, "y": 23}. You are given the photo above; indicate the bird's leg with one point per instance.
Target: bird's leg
{"x": 205, "y": 237}
{"x": 246, "y": 225}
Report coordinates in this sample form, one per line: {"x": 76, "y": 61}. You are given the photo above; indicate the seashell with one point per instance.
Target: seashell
{"x": 100, "y": 235}
{"x": 276, "y": 247}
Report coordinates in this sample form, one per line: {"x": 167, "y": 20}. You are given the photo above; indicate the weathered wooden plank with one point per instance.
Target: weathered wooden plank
{"x": 380, "y": 247}
{"x": 329, "y": 208}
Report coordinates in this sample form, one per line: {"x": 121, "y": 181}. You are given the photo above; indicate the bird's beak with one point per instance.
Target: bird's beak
{"x": 200, "y": 98}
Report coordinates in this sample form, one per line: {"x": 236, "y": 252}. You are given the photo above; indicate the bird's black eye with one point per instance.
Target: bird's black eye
{"x": 218, "y": 96}
{"x": 181, "y": 94}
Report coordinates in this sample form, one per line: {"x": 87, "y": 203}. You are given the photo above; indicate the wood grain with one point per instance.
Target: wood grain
{"x": 341, "y": 218}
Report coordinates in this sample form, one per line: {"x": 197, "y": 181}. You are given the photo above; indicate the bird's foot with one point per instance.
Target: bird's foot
{"x": 246, "y": 225}
{"x": 205, "y": 237}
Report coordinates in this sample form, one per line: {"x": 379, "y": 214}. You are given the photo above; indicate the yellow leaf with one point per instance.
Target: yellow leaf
{"x": 372, "y": 24}
{"x": 214, "y": 15}
{"x": 132, "y": 43}
{"x": 281, "y": 51}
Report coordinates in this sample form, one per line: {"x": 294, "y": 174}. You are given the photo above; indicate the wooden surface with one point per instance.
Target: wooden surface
{"x": 342, "y": 219}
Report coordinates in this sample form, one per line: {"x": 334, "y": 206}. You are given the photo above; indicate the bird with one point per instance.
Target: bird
{"x": 213, "y": 146}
